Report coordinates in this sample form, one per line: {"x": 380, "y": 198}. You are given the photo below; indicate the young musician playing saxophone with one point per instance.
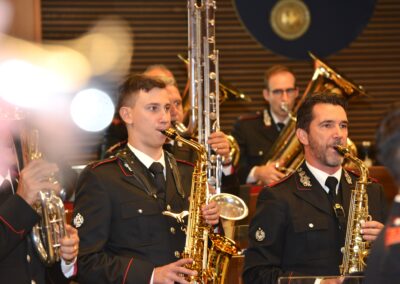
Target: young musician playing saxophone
{"x": 125, "y": 238}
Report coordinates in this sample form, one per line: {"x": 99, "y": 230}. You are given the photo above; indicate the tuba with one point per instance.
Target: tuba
{"x": 211, "y": 263}
{"x": 286, "y": 152}
{"x": 356, "y": 250}
{"x": 46, "y": 234}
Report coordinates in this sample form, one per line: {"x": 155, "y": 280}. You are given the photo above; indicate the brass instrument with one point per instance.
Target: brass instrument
{"x": 46, "y": 234}
{"x": 211, "y": 263}
{"x": 204, "y": 97}
{"x": 286, "y": 152}
{"x": 356, "y": 249}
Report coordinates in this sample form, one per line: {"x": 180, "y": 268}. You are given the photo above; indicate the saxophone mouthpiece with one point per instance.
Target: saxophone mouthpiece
{"x": 170, "y": 133}
{"x": 341, "y": 149}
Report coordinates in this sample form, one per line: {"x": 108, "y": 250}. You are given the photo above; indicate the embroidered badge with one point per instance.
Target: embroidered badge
{"x": 260, "y": 235}
{"x": 267, "y": 118}
{"x": 78, "y": 220}
{"x": 304, "y": 178}
{"x": 348, "y": 177}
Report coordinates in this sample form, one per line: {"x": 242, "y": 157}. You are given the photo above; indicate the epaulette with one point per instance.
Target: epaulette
{"x": 116, "y": 146}
{"x": 251, "y": 116}
{"x": 185, "y": 162}
{"x": 272, "y": 184}
{"x": 102, "y": 162}
{"x": 357, "y": 174}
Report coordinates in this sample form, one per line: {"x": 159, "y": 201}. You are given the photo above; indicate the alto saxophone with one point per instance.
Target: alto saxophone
{"x": 47, "y": 234}
{"x": 356, "y": 250}
{"x": 211, "y": 263}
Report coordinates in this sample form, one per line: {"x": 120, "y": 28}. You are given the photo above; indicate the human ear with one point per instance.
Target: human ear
{"x": 302, "y": 135}
{"x": 126, "y": 114}
{"x": 266, "y": 94}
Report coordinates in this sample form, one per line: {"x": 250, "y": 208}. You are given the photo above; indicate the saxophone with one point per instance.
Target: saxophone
{"x": 211, "y": 263}
{"x": 47, "y": 234}
{"x": 356, "y": 249}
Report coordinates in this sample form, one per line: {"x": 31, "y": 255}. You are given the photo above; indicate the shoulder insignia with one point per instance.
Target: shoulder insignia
{"x": 266, "y": 118}
{"x": 260, "y": 235}
{"x": 304, "y": 178}
{"x": 102, "y": 162}
{"x": 250, "y": 116}
{"x": 116, "y": 146}
{"x": 357, "y": 174}
{"x": 78, "y": 220}
{"x": 185, "y": 162}
{"x": 347, "y": 177}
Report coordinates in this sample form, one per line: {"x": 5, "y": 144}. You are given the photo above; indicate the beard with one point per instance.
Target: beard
{"x": 325, "y": 153}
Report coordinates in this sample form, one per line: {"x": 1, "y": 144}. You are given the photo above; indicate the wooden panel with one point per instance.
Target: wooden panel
{"x": 27, "y": 20}
{"x": 160, "y": 33}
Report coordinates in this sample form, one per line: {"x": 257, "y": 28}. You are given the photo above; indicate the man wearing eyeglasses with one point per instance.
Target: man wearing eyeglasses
{"x": 255, "y": 134}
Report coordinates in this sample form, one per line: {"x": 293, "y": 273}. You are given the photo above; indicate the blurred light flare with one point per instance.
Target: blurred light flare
{"x": 92, "y": 110}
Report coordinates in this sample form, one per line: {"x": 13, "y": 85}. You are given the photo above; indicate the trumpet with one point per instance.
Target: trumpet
{"x": 48, "y": 232}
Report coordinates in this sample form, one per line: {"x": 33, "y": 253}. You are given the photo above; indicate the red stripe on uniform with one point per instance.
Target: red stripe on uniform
{"x": 12, "y": 228}
{"x": 127, "y": 270}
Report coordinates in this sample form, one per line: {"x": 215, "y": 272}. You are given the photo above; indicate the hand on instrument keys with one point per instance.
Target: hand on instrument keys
{"x": 268, "y": 173}
{"x": 370, "y": 230}
{"x": 219, "y": 143}
{"x": 69, "y": 245}
{"x": 211, "y": 213}
{"x": 37, "y": 176}
{"x": 173, "y": 272}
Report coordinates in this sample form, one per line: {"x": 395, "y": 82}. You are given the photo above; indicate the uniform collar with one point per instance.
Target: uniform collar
{"x": 321, "y": 176}
{"x": 146, "y": 159}
{"x": 276, "y": 119}
{"x": 7, "y": 177}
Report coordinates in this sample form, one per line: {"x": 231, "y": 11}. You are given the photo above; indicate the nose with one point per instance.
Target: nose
{"x": 165, "y": 116}
{"x": 173, "y": 112}
{"x": 284, "y": 96}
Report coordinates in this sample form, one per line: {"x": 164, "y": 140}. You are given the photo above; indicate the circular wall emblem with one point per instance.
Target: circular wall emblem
{"x": 290, "y": 19}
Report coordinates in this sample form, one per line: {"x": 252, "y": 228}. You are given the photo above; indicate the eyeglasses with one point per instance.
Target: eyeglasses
{"x": 289, "y": 92}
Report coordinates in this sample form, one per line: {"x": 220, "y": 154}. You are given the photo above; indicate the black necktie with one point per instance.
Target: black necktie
{"x": 280, "y": 126}
{"x": 158, "y": 171}
{"x": 331, "y": 183}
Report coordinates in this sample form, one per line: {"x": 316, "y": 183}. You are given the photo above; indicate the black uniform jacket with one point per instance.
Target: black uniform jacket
{"x": 123, "y": 233}
{"x": 295, "y": 231}
{"x": 19, "y": 262}
{"x": 384, "y": 262}
{"x": 255, "y": 140}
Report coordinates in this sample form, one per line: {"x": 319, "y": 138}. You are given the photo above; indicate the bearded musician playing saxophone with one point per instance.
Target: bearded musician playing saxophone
{"x": 296, "y": 231}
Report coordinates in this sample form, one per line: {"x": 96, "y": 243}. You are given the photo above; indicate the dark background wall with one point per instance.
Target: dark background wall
{"x": 160, "y": 33}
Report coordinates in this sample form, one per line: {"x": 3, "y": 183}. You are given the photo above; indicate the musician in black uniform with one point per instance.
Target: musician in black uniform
{"x": 19, "y": 262}
{"x": 384, "y": 261}
{"x": 125, "y": 238}
{"x": 295, "y": 230}
{"x": 256, "y": 134}
{"x": 218, "y": 140}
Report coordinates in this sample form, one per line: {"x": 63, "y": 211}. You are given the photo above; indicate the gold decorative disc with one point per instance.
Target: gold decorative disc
{"x": 290, "y": 19}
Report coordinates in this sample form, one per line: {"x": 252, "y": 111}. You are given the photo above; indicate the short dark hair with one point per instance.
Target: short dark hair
{"x": 135, "y": 83}
{"x": 275, "y": 69}
{"x": 388, "y": 142}
{"x": 305, "y": 113}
